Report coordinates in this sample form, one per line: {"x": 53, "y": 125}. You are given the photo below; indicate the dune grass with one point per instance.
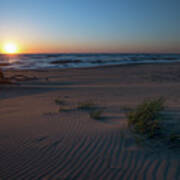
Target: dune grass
{"x": 96, "y": 114}
{"x": 148, "y": 121}
{"x": 62, "y": 104}
{"x": 64, "y": 109}
{"x": 86, "y": 105}
{"x": 146, "y": 118}
{"x": 59, "y": 101}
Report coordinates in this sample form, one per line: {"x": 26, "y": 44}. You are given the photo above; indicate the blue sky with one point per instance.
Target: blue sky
{"x": 91, "y": 25}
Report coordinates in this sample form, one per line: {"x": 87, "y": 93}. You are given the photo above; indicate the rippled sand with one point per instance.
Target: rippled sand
{"x": 38, "y": 142}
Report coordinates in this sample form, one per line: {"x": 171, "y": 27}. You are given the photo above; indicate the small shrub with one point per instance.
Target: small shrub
{"x": 87, "y": 105}
{"x": 146, "y": 118}
{"x": 96, "y": 114}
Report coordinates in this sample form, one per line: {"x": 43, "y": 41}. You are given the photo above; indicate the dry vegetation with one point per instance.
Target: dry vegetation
{"x": 148, "y": 120}
{"x": 86, "y": 105}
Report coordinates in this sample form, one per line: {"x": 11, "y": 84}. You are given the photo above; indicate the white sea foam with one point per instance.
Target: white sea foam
{"x": 47, "y": 61}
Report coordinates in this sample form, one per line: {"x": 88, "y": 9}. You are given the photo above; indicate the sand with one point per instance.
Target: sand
{"x": 39, "y": 142}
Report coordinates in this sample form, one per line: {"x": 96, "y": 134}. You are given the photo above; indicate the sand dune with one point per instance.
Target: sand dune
{"x": 100, "y": 154}
{"x": 38, "y": 142}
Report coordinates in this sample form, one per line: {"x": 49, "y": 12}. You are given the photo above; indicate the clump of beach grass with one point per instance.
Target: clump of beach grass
{"x": 86, "y": 105}
{"x": 64, "y": 109}
{"x": 148, "y": 122}
{"x": 96, "y": 114}
{"x": 59, "y": 101}
{"x": 146, "y": 118}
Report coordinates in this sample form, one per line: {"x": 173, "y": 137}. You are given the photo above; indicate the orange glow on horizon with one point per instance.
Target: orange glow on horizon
{"x": 22, "y": 47}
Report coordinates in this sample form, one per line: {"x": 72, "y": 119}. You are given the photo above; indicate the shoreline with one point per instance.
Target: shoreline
{"x": 95, "y": 67}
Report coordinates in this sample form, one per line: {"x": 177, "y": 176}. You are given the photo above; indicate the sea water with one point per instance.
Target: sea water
{"x": 50, "y": 61}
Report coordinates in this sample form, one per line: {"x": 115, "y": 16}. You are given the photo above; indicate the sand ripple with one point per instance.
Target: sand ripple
{"x": 83, "y": 149}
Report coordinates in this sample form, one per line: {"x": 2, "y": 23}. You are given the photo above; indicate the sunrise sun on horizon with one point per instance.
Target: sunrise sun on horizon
{"x": 10, "y": 48}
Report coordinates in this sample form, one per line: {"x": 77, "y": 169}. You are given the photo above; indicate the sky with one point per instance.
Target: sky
{"x": 123, "y": 26}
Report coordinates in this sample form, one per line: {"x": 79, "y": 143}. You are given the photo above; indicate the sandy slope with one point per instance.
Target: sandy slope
{"x": 38, "y": 142}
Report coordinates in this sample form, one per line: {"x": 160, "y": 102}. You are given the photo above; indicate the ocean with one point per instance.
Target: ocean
{"x": 50, "y": 61}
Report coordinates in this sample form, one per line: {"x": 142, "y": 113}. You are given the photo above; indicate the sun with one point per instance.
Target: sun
{"x": 10, "y": 48}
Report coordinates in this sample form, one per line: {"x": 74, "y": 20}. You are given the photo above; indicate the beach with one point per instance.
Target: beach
{"x": 37, "y": 141}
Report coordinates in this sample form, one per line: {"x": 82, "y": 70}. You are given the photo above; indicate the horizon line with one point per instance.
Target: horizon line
{"x": 92, "y": 53}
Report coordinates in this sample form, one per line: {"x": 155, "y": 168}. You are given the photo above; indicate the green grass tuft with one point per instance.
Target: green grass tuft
{"x": 64, "y": 109}
{"x": 147, "y": 117}
{"x": 96, "y": 114}
{"x": 87, "y": 105}
{"x": 59, "y": 102}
